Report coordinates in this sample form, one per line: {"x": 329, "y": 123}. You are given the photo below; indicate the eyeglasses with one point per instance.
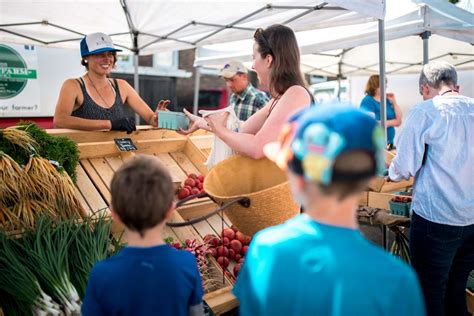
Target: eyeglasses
{"x": 259, "y": 35}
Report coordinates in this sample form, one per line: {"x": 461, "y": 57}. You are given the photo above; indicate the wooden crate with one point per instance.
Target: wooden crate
{"x": 100, "y": 158}
{"x": 222, "y": 300}
{"x": 379, "y": 184}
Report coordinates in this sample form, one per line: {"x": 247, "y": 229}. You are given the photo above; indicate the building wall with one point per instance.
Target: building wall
{"x": 185, "y": 86}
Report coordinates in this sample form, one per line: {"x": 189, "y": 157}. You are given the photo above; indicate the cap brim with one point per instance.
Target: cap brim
{"x": 105, "y": 49}
{"x": 227, "y": 74}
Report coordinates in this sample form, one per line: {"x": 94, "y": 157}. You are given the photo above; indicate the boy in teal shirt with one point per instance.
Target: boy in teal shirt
{"x": 318, "y": 263}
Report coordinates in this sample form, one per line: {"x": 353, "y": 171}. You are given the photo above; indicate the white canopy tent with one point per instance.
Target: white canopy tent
{"x": 147, "y": 26}
{"x": 347, "y": 50}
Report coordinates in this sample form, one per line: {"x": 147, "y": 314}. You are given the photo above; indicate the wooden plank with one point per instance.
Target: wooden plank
{"x": 96, "y": 179}
{"x": 184, "y": 232}
{"x": 227, "y": 220}
{"x": 177, "y": 174}
{"x": 164, "y": 145}
{"x": 216, "y": 223}
{"x": 168, "y": 232}
{"x": 143, "y": 132}
{"x": 196, "y": 156}
{"x": 202, "y": 142}
{"x": 108, "y": 148}
{"x": 89, "y": 191}
{"x": 376, "y": 184}
{"x": 185, "y": 164}
{"x": 114, "y": 162}
{"x": 363, "y": 198}
{"x": 82, "y": 200}
{"x": 198, "y": 208}
{"x": 221, "y": 301}
{"x": 397, "y": 186}
{"x": 379, "y": 200}
{"x": 104, "y": 170}
{"x": 203, "y": 228}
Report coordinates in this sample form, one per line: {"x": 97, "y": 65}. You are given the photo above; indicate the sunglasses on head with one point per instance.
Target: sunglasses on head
{"x": 259, "y": 35}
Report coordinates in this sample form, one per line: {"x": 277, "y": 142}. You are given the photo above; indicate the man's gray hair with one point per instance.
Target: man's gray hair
{"x": 437, "y": 72}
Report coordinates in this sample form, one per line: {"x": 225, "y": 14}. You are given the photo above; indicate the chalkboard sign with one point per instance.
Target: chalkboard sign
{"x": 125, "y": 144}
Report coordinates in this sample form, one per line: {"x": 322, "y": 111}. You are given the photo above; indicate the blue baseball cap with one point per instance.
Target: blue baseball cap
{"x": 97, "y": 43}
{"x": 314, "y": 137}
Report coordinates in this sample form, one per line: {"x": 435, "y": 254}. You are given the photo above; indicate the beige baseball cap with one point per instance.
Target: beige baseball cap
{"x": 231, "y": 69}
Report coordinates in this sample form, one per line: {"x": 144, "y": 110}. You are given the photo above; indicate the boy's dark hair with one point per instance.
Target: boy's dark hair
{"x": 142, "y": 193}
{"x": 351, "y": 173}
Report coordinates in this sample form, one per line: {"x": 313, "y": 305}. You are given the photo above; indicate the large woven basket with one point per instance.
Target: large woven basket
{"x": 262, "y": 182}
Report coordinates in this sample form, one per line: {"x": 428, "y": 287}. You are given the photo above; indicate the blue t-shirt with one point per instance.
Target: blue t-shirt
{"x": 303, "y": 267}
{"x": 156, "y": 280}
{"x": 369, "y": 104}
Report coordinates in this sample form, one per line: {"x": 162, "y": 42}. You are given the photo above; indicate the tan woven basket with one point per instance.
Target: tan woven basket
{"x": 261, "y": 181}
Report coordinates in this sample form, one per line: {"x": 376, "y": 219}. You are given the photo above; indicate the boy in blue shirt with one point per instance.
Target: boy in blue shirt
{"x": 318, "y": 263}
{"x": 147, "y": 277}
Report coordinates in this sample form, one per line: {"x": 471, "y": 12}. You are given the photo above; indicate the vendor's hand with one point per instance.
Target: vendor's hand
{"x": 162, "y": 105}
{"x": 217, "y": 121}
{"x": 391, "y": 97}
{"x": 196, "y": 122}
{"x": 123, "y": 124}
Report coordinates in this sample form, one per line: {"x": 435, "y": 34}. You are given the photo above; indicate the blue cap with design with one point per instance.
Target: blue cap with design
{"x": 315, "y": 136}
{"x": 97, "y": 43}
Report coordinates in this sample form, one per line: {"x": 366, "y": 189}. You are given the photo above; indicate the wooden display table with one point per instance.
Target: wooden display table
{"x": 100, "y": 158}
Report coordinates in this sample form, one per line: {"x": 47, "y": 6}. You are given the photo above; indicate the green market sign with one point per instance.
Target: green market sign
{"x": 14, "y": 73}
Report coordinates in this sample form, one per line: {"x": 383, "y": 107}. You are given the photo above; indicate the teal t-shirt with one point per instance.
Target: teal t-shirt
{"x": 369, "y": 104}
{"x": 303, "y": 267}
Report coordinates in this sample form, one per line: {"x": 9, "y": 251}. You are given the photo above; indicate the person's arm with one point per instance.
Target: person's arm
{"x": 397, "y": 121}
{"x": 410, "y": 146}
{"x": 63, "y": 113}
{"x": 131, "y": 97}
{"x": 251, "y": 145}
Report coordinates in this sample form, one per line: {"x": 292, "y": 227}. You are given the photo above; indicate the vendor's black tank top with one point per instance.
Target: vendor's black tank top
{"x": 91, "y": 110}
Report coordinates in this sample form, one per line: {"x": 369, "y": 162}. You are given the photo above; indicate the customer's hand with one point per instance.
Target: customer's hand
{"x": 162, "y": 105}
{"x": 123, "y": 124}
{"x": 217, "y": 121}
{"x": 196, "y": 122}
{"x": 391, "y": 97}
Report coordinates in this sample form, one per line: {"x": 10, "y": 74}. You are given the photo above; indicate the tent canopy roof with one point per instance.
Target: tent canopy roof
{"x": 354, "y": 48}
{"x": 170, "y": 25}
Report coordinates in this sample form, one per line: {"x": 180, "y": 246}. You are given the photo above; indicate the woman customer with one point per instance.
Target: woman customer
{"x": 371, "y": 103}
{"x": 276, "y": 60}
{"x": 94, "y": 101}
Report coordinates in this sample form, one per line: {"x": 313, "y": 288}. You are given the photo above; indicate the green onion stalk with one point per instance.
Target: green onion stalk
{"x": 46, "y": 252}
{"x": 20, "y": 283}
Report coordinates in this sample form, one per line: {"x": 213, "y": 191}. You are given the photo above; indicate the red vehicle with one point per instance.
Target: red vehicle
{"x": 43, "y": 122}
{"x": 211, "y": 99}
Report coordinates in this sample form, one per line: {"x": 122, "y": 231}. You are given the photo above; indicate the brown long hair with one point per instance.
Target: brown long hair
{"x": 372, "y": 84}
{"x": 279, "y": 41}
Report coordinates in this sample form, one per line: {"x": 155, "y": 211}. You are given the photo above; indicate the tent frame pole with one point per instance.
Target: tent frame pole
{"x": 197, "y": 84}
{"x": 383, "y": 108}
{"x": 426, "y": 36}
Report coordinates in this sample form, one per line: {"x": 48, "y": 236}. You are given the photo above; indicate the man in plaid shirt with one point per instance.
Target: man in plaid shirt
{"x": 245, "y": 98}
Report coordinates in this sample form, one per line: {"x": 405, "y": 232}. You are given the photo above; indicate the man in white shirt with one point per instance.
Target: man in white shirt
{"x": 436, "y": 147}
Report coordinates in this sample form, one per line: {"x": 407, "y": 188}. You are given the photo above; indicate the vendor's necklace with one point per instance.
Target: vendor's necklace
{"x": 93, "y": 85}
{"x": 450, "y": 90}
